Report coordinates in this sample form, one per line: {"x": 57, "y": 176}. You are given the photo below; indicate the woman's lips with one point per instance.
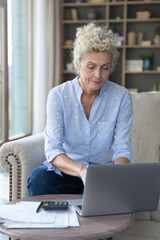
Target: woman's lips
{"x": 96, "y": 82}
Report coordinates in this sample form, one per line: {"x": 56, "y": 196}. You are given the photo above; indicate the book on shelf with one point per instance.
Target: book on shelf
{"x": 136, "y": 38}
{"x": 67, "y": 14}
{"x": 146, "y": 43}
{"x": 158, "y": 68}
{"x": 131, "y": 38}
{"x": 139, "y": 38}
{"x": 68, "y": 42}
{"x": 134, "y": 65}
{"x": 156, "y": 87}
{"x": 143, "y": 14}
{"x": 74, "y": 14}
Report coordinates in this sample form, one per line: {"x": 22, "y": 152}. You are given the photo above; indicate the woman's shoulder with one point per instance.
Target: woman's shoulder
{"x": 116, "y": 88}
{"x": 63, "y": 88}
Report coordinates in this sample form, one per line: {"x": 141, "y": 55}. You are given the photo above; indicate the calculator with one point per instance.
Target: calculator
{"x": 55, "y": 205}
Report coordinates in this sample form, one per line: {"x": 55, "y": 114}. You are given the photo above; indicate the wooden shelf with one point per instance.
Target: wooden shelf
{"x": 71, "y": 47}
{"x": 125, "y": 46}
{"x": 111, "y": 21}
{"x": 119, "y": 3}
{"x": 143, "y": 72}
{"x": 142, "y": 2}
{"x": 115, "y": 20}
{"x": 67, "y": 47}
{"x": 86, "y": 4}
{"x": 83, "y": 21}
{"x": 67, "y": 72}
{"x": 83, "y": 4}
{"x": 125, "y": 11}
{"x": 126, "y": 72}
{"x": 141, "y": 46}
{"x": 143, "y": 20}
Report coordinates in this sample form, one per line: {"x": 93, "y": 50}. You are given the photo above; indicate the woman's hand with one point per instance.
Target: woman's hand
{"x": 121, "y": 160}
{"x": 69, "y": 166}
{"x": 83, "y": 173}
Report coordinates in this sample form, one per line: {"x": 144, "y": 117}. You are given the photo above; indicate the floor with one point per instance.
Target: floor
{"x": 4, "y": 193}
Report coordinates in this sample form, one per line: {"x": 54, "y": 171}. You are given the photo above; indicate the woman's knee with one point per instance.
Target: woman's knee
{"x": 42, "y": 181}
{"x": 37, "y": 173}
{"x": 35, "y": 180}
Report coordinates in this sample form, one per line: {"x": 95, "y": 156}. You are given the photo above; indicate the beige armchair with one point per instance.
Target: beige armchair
{"x": 19, "y": 157}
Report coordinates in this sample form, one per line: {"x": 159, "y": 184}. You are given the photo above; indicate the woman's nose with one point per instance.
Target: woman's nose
{"x": 98, "y": 73}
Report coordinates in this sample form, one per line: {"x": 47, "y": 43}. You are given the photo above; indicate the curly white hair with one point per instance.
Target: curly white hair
{"x": 94, "y": 38}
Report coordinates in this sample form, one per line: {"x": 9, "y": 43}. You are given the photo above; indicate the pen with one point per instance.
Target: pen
{"x": 39, "y": 206}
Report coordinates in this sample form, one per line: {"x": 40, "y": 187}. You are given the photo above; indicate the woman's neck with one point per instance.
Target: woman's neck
{"x": 87, "y": 93}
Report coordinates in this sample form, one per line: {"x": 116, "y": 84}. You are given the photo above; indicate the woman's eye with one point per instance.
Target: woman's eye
{"x": 91, "y": 67}
{"x": 105, "y": 68}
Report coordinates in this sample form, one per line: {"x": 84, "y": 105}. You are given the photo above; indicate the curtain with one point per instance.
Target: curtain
{"x": 46, "y": 56}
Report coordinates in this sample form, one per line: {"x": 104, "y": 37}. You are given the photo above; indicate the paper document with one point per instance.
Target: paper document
{"x": 25, "y": 212}
{"x": 23, "y": 215}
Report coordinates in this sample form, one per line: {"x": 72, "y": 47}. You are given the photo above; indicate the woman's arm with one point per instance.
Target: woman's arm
{"x": 122, "y": 150}
{"x": 121, "y": 160}
{"x": 69, "y": 166}
{"x": 54, "y": 139}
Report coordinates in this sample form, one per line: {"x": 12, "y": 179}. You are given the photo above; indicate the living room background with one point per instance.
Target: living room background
{"x": 38, "y": 31}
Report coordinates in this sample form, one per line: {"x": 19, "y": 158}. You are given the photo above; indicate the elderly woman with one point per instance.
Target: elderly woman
{"x": 89, "y": 118}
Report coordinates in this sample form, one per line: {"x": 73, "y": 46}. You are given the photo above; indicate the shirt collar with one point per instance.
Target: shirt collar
{"x": 78, "y": 88}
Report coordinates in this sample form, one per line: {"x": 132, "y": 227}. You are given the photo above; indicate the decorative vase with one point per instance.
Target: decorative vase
{"x": 69, "y": 66}
{"x": 91, "y": 14}
{"x": 147, "y": 64}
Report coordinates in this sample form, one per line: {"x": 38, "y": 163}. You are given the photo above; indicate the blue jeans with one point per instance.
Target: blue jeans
{"x": 43, "y": 182}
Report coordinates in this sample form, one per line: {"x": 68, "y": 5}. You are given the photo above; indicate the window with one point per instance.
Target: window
{"x": 3, "y": 71}
{"x": 15, "y": 105}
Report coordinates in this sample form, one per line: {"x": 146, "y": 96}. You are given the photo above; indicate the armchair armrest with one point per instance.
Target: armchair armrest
{"x": 18, "y": 158}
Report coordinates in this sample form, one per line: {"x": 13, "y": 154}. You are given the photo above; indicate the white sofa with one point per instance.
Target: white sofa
{"x": 19, "y": 157}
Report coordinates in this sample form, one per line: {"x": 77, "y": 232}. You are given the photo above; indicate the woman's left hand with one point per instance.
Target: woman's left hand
{"x": 83, "y": 173}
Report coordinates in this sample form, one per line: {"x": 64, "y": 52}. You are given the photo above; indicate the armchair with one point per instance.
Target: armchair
{"x": 19, "y": 157}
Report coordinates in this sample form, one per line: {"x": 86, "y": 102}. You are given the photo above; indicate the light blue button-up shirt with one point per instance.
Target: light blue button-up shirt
{"x": 102, "y": 138}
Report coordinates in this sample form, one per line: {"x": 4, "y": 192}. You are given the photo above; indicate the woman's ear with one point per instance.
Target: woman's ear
{"x": 77, "y": 65}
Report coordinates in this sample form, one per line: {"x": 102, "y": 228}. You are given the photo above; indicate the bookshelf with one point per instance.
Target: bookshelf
{"x": 122, "y": 19}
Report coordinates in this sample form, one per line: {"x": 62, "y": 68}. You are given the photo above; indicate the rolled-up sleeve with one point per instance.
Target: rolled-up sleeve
{"x": 121, "y": 145}
{"x": 54, "y": 131}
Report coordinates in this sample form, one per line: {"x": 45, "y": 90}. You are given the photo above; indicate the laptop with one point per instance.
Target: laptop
{"x": 119, "y": 189}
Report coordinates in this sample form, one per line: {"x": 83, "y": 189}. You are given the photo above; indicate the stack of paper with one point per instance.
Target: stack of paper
{"x": 23, "y": 215}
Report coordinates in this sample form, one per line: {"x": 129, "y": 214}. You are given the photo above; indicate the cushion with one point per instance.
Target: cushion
{"x": 146, "y": 126}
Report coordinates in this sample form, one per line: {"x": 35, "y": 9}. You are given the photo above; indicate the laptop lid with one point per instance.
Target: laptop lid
{"x": 120, "y": 189}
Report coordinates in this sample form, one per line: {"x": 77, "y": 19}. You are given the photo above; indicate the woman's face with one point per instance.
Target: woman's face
{"x": 94, "y": 71}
